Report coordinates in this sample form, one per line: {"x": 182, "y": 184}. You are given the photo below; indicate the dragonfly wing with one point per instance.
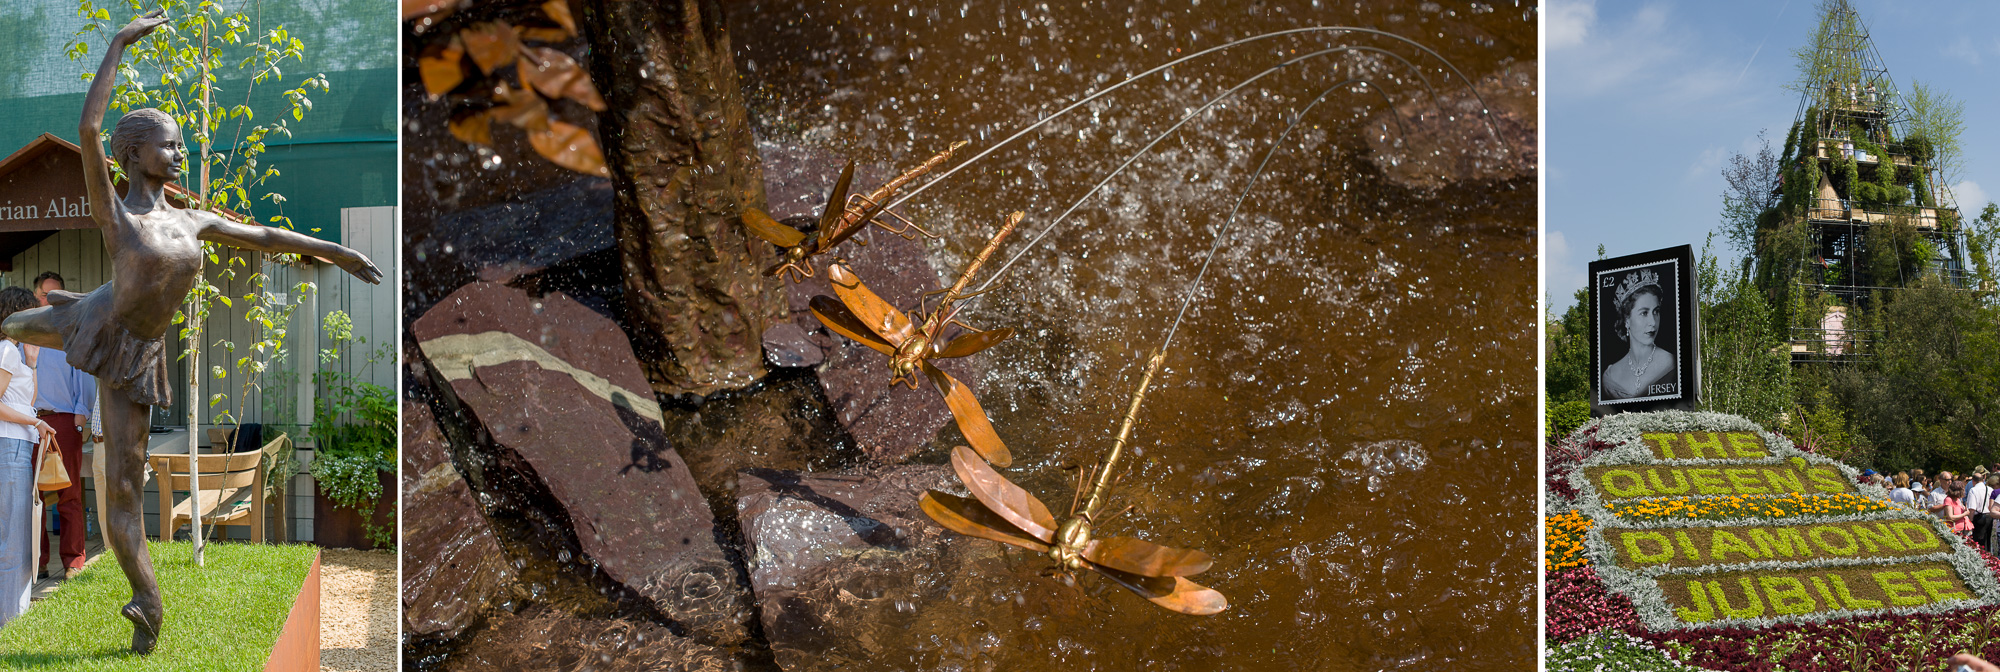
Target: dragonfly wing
{"x": 836, "y": 203}
{"x": 974, "y": 342}
{"x": 770, "y": 230}
{"x": 1174, "y": 593}
{"x": 837, "y": 317}
{"x": 972, "y": 421}
{"x": 877, "y": 314}
{"x": 846, "y": 229}
{"x": 1007, "y": 500}
{"x": 1145, "y": 558}
{"x": 973, "y": 519}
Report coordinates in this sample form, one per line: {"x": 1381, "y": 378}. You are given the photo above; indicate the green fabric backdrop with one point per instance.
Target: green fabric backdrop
{"x": 343, "y": 154}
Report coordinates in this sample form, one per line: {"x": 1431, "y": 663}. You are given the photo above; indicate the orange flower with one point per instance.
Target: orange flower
{"x": 1565, "y": 536}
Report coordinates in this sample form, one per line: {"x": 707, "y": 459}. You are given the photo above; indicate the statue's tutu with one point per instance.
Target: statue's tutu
{"x": 98, "y": 345}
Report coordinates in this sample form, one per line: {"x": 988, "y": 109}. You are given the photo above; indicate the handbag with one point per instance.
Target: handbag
{"x": 51, "y": 476}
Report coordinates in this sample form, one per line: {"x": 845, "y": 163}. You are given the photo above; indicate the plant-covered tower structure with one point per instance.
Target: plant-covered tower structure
{"x": 1863, "y": 206}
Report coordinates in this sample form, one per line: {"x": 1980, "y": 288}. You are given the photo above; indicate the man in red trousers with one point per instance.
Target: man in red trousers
{"x": 63, "y": 398}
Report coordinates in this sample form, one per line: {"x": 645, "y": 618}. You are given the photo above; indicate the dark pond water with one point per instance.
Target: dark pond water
{"x": 1347, "y": 418}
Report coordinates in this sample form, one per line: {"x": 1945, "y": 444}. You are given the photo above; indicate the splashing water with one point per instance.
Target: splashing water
{"x": 1347, "y": 419}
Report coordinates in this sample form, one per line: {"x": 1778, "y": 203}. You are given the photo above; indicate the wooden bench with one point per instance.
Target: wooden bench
{"x": 233, "y": 488}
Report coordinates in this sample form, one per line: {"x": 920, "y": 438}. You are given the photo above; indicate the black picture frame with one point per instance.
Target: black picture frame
{"x": 1669, "y": 376}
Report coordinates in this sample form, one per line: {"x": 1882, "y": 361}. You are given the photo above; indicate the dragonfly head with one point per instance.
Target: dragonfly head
{"x": 1070, "y": 540}
{"x": 903, "y": 365}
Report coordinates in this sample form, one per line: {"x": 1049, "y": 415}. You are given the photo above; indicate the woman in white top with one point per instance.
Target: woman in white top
{"x": 1901, "y": 493}
{"x": 20, "y": 432}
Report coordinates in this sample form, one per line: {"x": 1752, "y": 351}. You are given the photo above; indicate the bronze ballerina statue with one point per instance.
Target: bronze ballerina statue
{"x": 118, "y": 332}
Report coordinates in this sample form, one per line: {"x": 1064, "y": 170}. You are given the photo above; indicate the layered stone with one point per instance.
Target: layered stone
{"x": 837, "y": 559}
{"x": 556, "y": 384}
{"x": 453, "y": 566}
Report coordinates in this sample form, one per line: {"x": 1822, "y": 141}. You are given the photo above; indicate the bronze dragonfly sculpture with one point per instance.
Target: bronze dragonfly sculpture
{"x": 843, "y": 217}
{"x": 1004, "y": 512}
{"x": 861, "y": 315}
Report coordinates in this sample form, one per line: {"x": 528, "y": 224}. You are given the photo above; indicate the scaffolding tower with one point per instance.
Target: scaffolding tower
{"x": 1848, "y": 106}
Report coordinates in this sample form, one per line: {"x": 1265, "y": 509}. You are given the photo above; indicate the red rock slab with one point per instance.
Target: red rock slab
{"x": 837, "y": 558}
{"x": 1431, "y": 142}
{"x": 452, "y": 564}
{"x": 556, "y": 383}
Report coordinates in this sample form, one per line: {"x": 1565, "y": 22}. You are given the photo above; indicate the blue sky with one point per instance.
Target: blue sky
{"x": 1646, "y": 100}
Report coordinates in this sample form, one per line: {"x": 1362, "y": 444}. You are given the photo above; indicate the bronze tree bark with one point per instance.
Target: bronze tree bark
{"x": 684, "y": 165}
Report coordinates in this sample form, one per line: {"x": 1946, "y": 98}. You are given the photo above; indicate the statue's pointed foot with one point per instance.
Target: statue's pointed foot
{"x": 146, "y": 624}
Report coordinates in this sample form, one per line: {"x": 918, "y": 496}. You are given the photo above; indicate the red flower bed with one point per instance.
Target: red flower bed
{"x": 1565, "y": 454}
{"x": 1578, "y": 604}
{"x": 1885, "y": 643}
{"x": 1992, "y": 563}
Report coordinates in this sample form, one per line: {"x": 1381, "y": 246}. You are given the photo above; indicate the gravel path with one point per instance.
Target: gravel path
{"x": 357, "y": 618}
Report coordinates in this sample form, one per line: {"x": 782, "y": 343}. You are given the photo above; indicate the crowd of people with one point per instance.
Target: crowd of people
{"x": 1969, "y": 503}
{"x": 43, "y": 401}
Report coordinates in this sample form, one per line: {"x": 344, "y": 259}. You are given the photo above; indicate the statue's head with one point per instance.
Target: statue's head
{"x": 148, "y": 142}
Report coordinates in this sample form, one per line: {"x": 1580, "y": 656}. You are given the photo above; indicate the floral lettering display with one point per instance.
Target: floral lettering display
{"x": 1705, "y": 445}
{"x": 1704, "y": 520}
{"x": 1777, "y": 593}
{"x": 1637, "y": 481}
{"x": 1709, "y": 546}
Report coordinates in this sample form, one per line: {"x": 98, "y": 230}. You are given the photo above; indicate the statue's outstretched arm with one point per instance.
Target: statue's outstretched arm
{"x": 272, "y": 239}
{"x": 96, "y": 178}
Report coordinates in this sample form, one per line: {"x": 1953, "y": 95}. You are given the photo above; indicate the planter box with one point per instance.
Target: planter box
{"x": 337, "y": 527}
{"x": 297, "y": 649}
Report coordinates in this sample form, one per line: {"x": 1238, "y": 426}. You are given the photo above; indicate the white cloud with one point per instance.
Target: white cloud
{"x": 1970, "y": 197}
{"x": 1565, "y": 276}
{"x": 1569, "y": 22}
{"x": 1650, "y": 57}
{"x": 1708, "y": 164}
{"x": 1963, "y": 50}
{"x": 1972, "y": 51}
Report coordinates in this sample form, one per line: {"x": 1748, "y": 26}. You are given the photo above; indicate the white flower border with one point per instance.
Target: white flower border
{"x": 1642, "y": 586}
{"x": 1582, "y": 651}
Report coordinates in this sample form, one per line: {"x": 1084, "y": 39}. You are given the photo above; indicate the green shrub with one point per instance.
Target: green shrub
{"x": 354, "y": 431}
{"x": 1920, "y": 149}
{"x": 1564, "y": 417}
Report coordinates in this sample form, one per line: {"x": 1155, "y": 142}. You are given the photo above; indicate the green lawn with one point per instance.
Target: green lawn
{"x": 223, "y": 616}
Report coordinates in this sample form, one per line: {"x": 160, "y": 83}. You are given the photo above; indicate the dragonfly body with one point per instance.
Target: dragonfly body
{"x": 1001, "y": 511}
{"x": 909, "y": 358}
{"x": 861, "y": 315}
{"x": 843, "y": 217}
